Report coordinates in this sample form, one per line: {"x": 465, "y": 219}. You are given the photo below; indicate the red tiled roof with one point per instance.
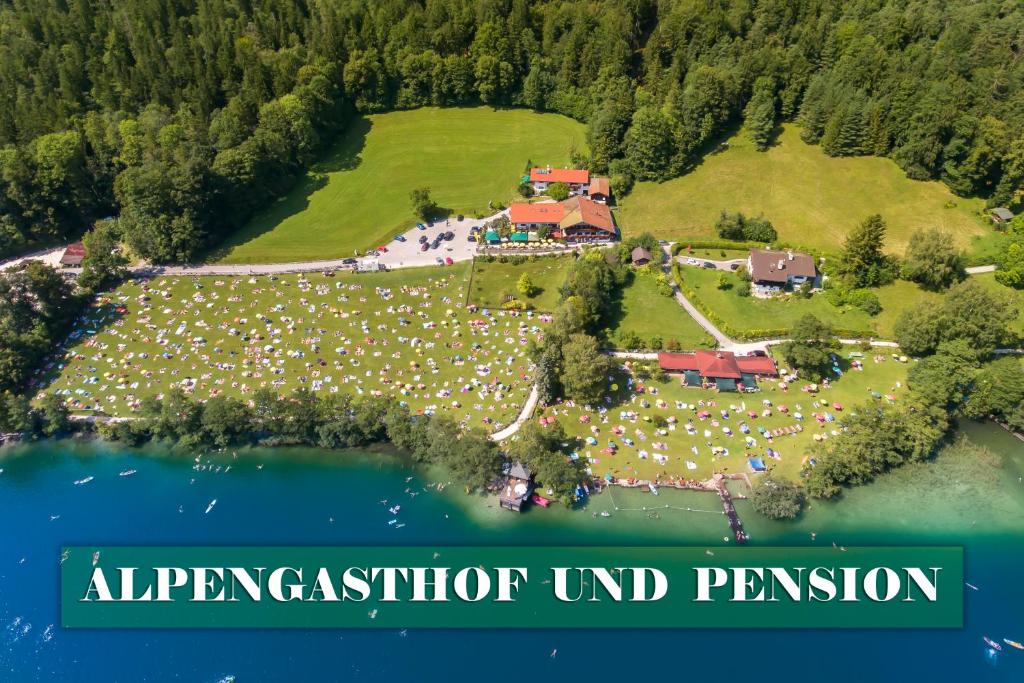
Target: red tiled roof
{"x": 599, "y": 186}
{"x": 536, "y": 213}
{"x": 717, "y": 364}
{"x": 757, "y": 365}
{"x": 73, "y": 255}
{"x": 589, "y": 212}
{"x": 577, "y": 176}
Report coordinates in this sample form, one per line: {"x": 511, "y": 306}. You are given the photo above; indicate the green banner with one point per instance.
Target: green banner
{"x": 511, "y": 587}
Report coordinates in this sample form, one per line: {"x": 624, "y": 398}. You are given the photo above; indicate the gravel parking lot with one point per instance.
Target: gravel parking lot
{"x": 408, "y": 253}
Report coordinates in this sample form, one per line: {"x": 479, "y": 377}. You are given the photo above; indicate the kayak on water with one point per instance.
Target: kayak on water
{"x": 992, "y": 644}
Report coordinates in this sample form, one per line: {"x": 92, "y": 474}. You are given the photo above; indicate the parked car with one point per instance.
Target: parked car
{"x": 421, "y": 226}
{"x": 382, "y": 249}
{"x": 424, "y": 246}
{"x": 423, "y": 238}
{"x": 471, "y": 238}
{"x": 440, "y": 261}
{"x": 663, "y": 243}
{"x": 399, "y": 238}
{"x": 430, "y": 224}
{"x": 692, "y": 262}
{"x": 734, "y": 266}
{"x": 348, "y": 261}
{"x": 435, "y": 244}
{"x": 449, "y": 236}
{"x": 460, "y": 217}
{"x": 709, "y": 264}
{"x": 448, "y": 261}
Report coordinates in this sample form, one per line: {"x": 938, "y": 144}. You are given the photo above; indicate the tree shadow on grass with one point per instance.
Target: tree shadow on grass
{"x": 94, "y": 322}
{"x": 344, "y": 155}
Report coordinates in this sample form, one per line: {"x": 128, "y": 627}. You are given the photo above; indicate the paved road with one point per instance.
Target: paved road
{"x": 524, "y": 415}
{"x": 48, "y": 256}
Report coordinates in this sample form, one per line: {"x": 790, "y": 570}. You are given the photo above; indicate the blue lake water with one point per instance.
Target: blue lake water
{"x": 310, "y": 497}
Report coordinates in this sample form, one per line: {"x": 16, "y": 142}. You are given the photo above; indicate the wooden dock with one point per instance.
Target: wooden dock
{"x": 730, "y": 511}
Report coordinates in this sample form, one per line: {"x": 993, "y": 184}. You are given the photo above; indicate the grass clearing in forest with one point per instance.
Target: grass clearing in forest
{"x": 357, "y": 196}
{"x": 812, "y": 199}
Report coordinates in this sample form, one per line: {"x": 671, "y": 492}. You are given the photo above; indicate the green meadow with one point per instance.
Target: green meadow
{"x": 812, "y": 199}
{"x": 494, "y": 281}
{"x": 648, "y": 313}
{"x": 357, "y": 196}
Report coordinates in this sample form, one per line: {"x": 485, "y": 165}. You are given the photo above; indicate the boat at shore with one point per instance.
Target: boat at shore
{"x": 540, "y": 500}
{"x": 992, "y": 644}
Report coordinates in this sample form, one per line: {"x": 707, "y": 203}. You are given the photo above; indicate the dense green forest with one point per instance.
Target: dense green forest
{"x": 185, "y": 116}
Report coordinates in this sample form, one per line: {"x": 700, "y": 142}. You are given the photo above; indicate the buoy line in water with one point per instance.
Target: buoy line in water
{"x": 663, "y": 507}
{"x": 668, "y": 507}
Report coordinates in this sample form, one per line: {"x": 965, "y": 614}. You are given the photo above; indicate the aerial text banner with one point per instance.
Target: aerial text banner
{"x": 511, "y": 587}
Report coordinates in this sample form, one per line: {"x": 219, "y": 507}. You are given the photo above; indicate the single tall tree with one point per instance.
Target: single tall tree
{"x": 862, "y": 258}
{"x": 932, "y": 260}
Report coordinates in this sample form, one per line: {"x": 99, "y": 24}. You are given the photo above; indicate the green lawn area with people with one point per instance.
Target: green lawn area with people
{"x": 494, "y": 281}
{"x": 357, "y": 197}
{"x": 645, "y": 434}
{"x": 647, "y": 313}
{"x": 404, "y": 334}
{"x": 812, "y": 199}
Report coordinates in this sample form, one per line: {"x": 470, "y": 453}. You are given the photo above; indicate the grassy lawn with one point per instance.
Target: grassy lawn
{"x": 403, "y": 333}
{"x": 750, "y": 313}
{"x": 648, "y": 313}
{"x": 811, "y": 198}
{"x": 493, "y": 280}
{"x": 358, "y": 195}
{"x": 663, "y": 400}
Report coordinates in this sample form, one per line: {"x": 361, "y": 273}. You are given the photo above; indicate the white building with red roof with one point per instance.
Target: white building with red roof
{"x": 578, "y": 181}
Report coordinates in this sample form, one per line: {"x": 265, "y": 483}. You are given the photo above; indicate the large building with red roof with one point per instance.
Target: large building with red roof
{"x": 577, "y": 219}
{"x": 722, "y": 369}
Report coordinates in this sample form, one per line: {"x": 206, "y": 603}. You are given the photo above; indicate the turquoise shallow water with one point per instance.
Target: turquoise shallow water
{"x": 310, "y": 497}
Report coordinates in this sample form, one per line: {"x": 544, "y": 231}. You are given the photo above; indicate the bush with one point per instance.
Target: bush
{"x": 558, "y": 191}
{"x": 865, "y": 300}
{"x": 736, "y": 226}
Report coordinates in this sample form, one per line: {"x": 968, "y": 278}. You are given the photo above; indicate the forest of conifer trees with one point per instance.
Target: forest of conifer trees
{"x": 185, "y": 116}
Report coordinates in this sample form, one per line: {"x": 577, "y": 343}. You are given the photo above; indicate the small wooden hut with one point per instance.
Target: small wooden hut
{"x": 517, "y": 487}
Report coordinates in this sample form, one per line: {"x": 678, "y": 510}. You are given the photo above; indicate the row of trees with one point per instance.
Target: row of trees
{"x": 305, "y": 418}
{"x": 185, "y": 116}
